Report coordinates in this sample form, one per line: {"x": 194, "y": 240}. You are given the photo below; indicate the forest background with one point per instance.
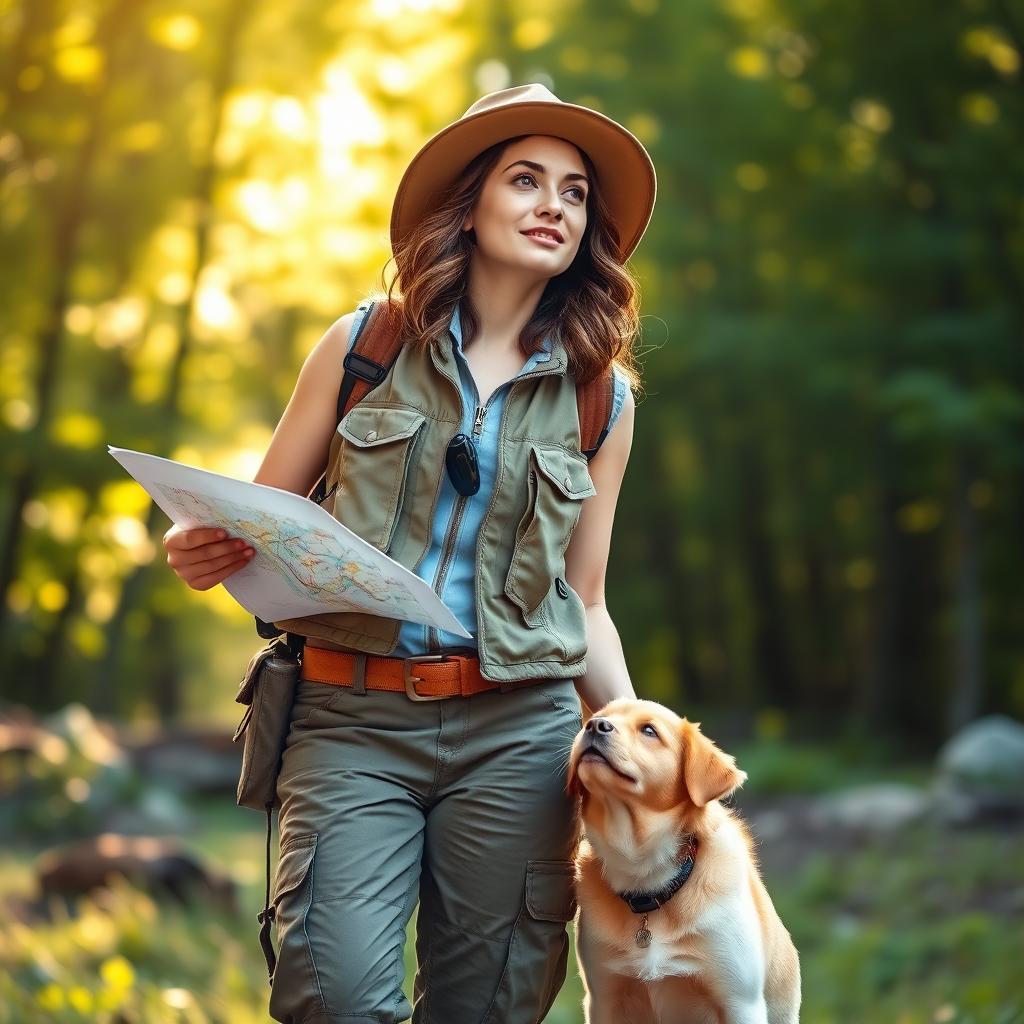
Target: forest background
{"x": 817, "y": 547}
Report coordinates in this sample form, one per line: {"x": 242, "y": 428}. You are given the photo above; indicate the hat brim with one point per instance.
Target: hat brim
{"x": 625, "y": 171}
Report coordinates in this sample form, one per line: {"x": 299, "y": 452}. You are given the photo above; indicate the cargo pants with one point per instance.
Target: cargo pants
{"x": 459, "y": 803}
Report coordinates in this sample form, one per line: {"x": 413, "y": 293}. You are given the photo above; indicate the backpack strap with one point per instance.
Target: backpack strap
{"x": 594, "y": 402}
{"x": 373, "y": 352}
{"x": 366, "y": 364}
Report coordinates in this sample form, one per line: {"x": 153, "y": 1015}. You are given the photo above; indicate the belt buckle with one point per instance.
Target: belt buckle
{"x": 411, "y": 680}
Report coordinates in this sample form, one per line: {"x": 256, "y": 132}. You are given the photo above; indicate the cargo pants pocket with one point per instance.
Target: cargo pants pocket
{"x": 295, "y": 989}
{"x": 538, "y": 949}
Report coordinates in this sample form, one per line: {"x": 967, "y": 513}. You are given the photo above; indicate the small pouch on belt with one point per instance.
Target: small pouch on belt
{"x": 268, "y": 688}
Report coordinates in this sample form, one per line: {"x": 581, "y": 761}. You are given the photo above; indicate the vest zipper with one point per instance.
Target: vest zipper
{"x": 433, "y": 643}
{"x": 448, "y": 548}
{"x": 483, "y": 523}
{"x": 433, "y": 639}
{"x": 430, "y": 631}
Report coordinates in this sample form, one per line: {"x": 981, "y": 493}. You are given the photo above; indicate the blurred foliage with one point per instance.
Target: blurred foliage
{"x": 193, "y": 190}
{"x": 906, "y": 931}
{"x": 125, "y": 957}
{"x": 914, "y": 929}
{"x": 776, "y": 768}
{"x": 74, "y": 779}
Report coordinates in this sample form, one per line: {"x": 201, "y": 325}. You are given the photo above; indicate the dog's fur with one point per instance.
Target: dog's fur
{"x": 719, "y": 954}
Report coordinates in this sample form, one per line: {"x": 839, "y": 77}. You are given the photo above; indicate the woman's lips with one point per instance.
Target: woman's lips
{"x": 546, "y": 240}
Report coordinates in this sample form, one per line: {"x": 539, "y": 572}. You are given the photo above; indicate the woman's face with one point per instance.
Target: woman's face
{"x": 538, "y": 186}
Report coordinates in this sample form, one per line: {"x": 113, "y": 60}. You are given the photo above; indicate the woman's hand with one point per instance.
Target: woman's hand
{"x": 204, "y": 556}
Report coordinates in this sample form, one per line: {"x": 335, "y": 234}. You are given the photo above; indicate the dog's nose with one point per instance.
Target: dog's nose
{"x": 600, "y": 725}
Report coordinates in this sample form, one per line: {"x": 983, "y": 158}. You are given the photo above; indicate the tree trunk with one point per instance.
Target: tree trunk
{"x": 965, "y": 695}
{"x": 64, "y": 243}
{"x": 163, "y": 677}
{"x": 771, "y": 648}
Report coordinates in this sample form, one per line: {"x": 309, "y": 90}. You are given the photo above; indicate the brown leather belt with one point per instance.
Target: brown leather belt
{"x": 437, "y": 676}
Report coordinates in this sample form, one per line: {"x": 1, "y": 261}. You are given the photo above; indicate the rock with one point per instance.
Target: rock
{"x": 877, "y": 807}
{"x": 962, "y": 802}
{"x": 159, "y": 866}
{"x": 192, "y": 759}
{"x": 989, "y": 751}
{"x": 61, "y": 773}
{"x": 980, "y": 773}
{"x": 95, "y": 741}
{"x": 158, "y": 810}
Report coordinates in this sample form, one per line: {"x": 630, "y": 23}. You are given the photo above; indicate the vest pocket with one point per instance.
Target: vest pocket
{"x": 558, "y": 483}
{"x": 373, "y": 464}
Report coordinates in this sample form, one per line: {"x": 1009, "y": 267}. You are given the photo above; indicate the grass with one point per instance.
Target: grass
{"x": 921, "y": 927}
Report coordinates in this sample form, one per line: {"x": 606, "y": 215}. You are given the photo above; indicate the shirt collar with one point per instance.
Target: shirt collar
{"x": 455, "y": 326}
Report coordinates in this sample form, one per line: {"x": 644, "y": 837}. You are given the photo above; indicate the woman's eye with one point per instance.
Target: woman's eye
{"x": 649, "y": 730}
{"x": 581, "y": 195}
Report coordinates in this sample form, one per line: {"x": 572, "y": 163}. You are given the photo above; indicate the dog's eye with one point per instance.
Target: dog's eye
{"x": 649, "y": 730}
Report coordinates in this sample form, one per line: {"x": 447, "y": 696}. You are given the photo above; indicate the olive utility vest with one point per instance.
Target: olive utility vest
{"x": 384, "y": 471}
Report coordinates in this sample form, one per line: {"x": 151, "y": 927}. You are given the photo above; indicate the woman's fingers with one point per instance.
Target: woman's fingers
{"x": 183, "y": 558}
{"x": 185, "y": 540}
{"x": 202, "y": 560}
{"x": 211, "y": 579}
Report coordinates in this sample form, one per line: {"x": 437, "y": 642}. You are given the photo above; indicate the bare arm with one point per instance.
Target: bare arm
{"x": 298, "y": 451}
{"x": 204, "y": 557}
{"x": 586, "y": 563}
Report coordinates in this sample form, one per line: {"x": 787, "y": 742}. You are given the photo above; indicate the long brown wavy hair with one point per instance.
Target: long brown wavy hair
{"x": 592, "y": 306}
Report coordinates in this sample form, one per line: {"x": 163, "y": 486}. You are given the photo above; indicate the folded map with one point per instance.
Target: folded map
{"x": 306, "y": 562}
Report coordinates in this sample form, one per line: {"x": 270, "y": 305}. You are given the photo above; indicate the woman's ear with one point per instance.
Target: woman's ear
{"x": 708, "y": 773}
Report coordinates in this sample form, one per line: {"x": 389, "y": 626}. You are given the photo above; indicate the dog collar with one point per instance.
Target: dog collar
{"x": 647, "y": 902}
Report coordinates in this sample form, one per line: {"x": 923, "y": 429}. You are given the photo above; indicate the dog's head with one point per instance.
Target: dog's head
{"x": 643, "y": 754}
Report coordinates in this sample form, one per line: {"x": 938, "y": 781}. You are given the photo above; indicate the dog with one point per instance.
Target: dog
{"x": 675, "y": 925}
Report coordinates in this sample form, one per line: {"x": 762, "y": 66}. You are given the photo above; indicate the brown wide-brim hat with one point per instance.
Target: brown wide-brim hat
{"x": 625, "y": 172}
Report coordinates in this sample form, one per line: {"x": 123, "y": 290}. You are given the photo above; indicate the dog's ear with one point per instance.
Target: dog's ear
{"x": 708, "y": 772}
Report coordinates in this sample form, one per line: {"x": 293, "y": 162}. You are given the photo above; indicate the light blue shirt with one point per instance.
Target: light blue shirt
{"x": 457, "y": 587}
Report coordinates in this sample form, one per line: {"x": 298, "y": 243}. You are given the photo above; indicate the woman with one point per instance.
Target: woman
{"x": 443, "y": 780}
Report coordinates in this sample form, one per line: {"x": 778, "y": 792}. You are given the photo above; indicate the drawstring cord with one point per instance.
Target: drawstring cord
{"x": 266, "y": 915}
